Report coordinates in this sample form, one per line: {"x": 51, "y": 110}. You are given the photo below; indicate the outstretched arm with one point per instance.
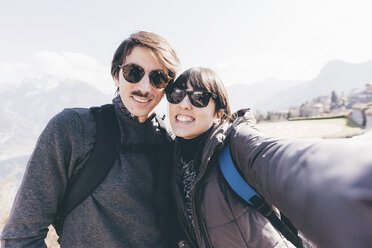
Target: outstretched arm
{"x": 323, "y": 186}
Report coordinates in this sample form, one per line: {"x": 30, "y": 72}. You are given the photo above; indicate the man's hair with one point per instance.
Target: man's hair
{"x": 201, "y": 78}
{"x": 160, "y": 48}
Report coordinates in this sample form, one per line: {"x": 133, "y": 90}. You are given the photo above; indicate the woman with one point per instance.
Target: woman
{"x": 310, "y": 181}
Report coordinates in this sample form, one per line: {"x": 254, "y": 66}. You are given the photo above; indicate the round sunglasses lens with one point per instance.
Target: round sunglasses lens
{"x": 133, "y": 73}
{"x": 159, "y": 79}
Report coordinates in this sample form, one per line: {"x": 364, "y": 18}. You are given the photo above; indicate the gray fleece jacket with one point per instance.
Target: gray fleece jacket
{"x": 119, "y": 213}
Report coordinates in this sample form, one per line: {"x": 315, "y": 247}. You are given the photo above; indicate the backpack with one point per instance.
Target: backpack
{"x": 245, "y": 192}
{"x": 93, "y": 173}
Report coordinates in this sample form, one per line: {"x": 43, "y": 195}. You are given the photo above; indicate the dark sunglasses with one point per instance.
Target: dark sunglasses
{"x": 198, "y": 98}
{"x": 134, "y": 73}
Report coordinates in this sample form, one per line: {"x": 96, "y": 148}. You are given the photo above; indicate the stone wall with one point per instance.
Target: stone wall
{"x": 362, "y": 114}
{"x": 357, "y": 115}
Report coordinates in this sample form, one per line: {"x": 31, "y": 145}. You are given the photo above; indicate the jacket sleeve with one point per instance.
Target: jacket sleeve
{"x": 44, "y": 182}
{"x": 323, "y": 186}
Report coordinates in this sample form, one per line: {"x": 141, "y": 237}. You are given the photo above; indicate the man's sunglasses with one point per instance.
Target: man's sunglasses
{"x": 198, "y": 98}
{"x": 134, "y": 73}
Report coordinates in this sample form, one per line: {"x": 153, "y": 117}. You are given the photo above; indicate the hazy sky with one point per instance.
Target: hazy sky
{"x": 244, "y": 41}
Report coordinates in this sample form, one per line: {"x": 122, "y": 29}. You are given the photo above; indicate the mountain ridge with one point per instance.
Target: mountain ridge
{"x": 338, "y": 75}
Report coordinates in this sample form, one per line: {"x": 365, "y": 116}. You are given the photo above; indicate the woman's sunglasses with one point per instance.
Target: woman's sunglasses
{"x": 198, "y": 98}
{"x": 134, "y": 73}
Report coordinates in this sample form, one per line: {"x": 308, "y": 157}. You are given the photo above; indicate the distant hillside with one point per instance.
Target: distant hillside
{"x": 38, "y": 98}
{"x": 337, "y": 75}
{"x": 243, "y": 96}
{"x": 25, "y": 109}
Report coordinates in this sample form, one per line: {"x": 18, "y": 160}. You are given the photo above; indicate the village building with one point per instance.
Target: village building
{"x": 362, "y": 96}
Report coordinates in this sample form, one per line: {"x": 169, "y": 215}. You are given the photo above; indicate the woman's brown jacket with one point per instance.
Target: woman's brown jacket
{"x": 222, "y": 220}
{"x": 320, "y": 185}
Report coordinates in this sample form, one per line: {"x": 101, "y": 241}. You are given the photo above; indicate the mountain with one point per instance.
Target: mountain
{"x": 38, "y": 98}
{"x": 337, "y": 75}
{"x": 26, "y": 107}
{"x": 244, "y": 96}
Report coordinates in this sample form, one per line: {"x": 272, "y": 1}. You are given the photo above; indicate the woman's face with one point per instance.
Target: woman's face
{"x": 188, "y": 121}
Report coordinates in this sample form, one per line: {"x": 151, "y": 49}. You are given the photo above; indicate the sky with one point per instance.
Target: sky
{"x": 244, "y": 41}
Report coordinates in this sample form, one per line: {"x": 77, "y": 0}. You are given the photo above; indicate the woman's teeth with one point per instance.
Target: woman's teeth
{"x": 184, "y": 118}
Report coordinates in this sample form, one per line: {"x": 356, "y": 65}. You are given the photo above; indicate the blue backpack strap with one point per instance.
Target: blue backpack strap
{"x": 235, "y": 180}
{"x": 249, "y": 195}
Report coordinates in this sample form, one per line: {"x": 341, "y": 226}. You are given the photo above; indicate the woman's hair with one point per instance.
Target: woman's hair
{"x": 160, "y": 48}
{"x": 201, "y": 78}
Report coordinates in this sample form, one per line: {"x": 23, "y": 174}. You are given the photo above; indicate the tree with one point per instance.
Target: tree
{"x": 334, "y": 97}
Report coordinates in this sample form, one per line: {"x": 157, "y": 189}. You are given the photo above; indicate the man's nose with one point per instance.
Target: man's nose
{"x": 144, "y": 85}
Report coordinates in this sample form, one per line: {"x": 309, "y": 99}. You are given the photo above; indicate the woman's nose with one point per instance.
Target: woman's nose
{"x": 185, "y": 103}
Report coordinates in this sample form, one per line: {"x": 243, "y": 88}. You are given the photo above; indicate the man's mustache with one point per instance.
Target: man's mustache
{"x": 140, "y": 94}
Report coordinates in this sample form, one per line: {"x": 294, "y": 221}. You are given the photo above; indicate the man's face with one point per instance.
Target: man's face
{"x": 140, "y": 98}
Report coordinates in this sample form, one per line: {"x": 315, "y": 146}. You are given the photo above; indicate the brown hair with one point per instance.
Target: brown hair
{"x": 159, "y": 47}
{"x": 201, "y": 78}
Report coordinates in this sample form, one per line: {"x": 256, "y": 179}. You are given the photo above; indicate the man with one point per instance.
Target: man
{"x": 130, "y": 207}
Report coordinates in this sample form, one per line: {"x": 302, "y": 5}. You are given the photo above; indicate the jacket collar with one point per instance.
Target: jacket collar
{"x": 119, "y": 103}
{"x": 219, "y": 135}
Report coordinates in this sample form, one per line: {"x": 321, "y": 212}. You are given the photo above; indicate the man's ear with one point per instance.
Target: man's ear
{"x": 116, "y": 79}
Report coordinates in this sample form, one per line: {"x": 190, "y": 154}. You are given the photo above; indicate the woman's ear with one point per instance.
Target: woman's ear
{"x": 218, "y": 116}
{"x": 220, "y": 113}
